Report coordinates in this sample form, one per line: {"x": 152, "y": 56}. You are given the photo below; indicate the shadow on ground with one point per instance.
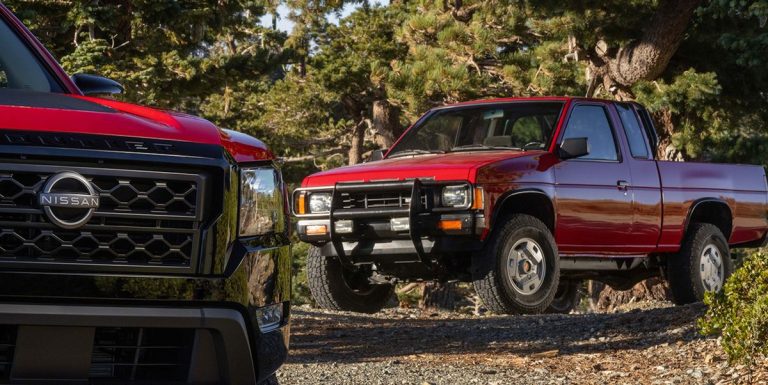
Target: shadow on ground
{"x": 320, "y": 336}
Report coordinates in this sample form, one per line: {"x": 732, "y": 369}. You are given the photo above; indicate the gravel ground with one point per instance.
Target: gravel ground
{"x": 649, "y": 344}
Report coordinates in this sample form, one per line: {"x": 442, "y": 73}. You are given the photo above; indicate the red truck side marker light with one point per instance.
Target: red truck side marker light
{"x": 301, "y": 204}
{"x": 479, "y": 199}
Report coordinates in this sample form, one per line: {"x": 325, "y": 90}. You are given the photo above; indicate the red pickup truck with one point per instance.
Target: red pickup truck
{"x": 526, "y": 198}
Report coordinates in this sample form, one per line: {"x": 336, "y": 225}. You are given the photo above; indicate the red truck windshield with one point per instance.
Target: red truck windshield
{"x": 515, "y": 125}
{"x": 20, "y": 68}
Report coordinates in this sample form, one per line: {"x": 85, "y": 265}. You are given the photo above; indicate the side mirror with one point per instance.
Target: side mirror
{"x": 92, "y": 85}
{"x": 574, "y": 148}
{"x": 377, "y": 155}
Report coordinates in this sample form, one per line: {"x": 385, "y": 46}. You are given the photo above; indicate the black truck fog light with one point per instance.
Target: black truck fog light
{"x": 400, "y": 224}
{"x": 344, "y": 227}
{"x": 270, "y": 317}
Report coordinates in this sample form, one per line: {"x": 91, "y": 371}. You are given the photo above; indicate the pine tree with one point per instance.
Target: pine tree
{"x": 174, "y": 54}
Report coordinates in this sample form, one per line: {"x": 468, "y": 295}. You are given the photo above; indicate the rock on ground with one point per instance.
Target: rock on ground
{"x": 647, "y": 344}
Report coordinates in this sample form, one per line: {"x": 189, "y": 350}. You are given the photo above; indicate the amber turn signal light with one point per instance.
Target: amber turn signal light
{"x": 301, "y": 203}
{"x": 479, "y": 199}
{"x": 449, "y": 224}
{"x": 317, "y": 230}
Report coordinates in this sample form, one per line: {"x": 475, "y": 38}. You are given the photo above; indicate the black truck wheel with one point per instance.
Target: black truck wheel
{"x": 518, "y": 271}
{"x": 334, "y": 287}
{"x": 702, "y": 265}
{"x": 567, "y": 298}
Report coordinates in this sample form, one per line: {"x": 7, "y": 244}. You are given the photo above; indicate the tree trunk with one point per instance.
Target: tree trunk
{"x": 357, "y": 143}
{"x": 438, "y": 295}
{"x": 645, "y": 58}
{"x": 386, "y": 123}
{"x": 605, "y": 299}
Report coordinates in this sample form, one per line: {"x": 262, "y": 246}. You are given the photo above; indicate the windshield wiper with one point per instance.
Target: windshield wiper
{"x": 469, "y": 147}
{"x": 414, "y": 152}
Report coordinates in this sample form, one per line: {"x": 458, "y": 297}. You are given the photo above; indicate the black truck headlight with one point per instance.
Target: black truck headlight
{"x": 261, "y": 202}
{"x": 319, "y": 203}
{"x": 455, "y": 196}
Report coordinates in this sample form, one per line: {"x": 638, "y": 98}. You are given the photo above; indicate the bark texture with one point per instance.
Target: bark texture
{"x": 605, "y": 299}
{"x": 386, "y": 123}
{"x": 645, "y": 58}
{"x": 357, "y": 143}
{"x": 438, "y": 295}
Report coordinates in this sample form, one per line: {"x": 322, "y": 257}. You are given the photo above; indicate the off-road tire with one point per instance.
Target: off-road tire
{"x": 567, "y": 297}
{"x": 489, "y": 268}
{"x": 683, "y": 272}
{"x": 330, "y": 289}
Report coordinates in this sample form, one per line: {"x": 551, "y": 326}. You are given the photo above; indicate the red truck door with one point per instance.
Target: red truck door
{"x": 646, "y": 185}
{"x": 592, "y": 198}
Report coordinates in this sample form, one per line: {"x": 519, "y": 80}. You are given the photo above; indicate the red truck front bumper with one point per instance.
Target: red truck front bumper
{"x": 400, "y": 221}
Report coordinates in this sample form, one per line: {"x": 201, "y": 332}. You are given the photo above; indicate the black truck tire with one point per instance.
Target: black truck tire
{"x": 335, "y": 288}
{"x": 702, "y": 265}
{"x": 567, "y": 298}
{"x": 518, "y": 271}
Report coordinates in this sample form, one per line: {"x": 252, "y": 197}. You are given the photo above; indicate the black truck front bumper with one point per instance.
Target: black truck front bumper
{"x": 85, "y": 329}
{"x": 416, "y": 230}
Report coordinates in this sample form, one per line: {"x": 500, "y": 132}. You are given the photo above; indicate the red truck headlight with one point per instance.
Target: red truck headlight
{"x": 456, "y": 196}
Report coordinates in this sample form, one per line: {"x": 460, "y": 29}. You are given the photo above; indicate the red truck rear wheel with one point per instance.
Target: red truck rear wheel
{"x": 335, "y": 288}
{"x": 518, "y": 272}
{"x": 703, "y": 264}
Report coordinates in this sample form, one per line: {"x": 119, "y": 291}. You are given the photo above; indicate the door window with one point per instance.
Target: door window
{"x": 634, "y": 131}
{"x": 591, "y": 122}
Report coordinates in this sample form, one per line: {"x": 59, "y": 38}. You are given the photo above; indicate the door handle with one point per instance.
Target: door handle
{"x": 622, "y": 185}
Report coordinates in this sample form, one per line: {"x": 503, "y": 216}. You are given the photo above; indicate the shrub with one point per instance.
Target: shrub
{"x": 740, "y": 312}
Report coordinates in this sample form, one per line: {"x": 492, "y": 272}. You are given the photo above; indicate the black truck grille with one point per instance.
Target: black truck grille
{"x": 146, "y": 221}
{"x": 141, "y": 354}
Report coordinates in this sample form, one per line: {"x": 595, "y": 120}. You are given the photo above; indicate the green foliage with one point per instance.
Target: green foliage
{"x": 300, "y": 290}
{"x": 692, "y": 100}
{"x": 168, "y": 54}
{"x": 738, "y": 313}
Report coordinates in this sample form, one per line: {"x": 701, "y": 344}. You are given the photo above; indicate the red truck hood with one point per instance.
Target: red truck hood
{"x": 28, "y": 111}
{"x": 450, "y": 166}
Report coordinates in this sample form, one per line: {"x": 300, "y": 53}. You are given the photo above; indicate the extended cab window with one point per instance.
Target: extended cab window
{"x": 634, "y": 131}
{"x": 523, "y": 125}
{"x": 591, "y": 122}
{"x": 20, "y": 69}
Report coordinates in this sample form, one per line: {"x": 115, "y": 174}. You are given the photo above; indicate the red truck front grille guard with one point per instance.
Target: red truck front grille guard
{"x": 415, "y": 207}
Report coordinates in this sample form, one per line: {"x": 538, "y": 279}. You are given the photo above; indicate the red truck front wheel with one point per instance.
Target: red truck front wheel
{"x": 334, "y": 287}
{"x": 518, "y": 271}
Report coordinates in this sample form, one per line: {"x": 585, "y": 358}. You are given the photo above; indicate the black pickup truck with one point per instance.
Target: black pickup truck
{"x": 136, "y": 245}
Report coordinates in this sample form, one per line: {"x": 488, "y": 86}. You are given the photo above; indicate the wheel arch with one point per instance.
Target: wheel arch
{"x": 532, "y": 202}
{"x": 713, "y": 211}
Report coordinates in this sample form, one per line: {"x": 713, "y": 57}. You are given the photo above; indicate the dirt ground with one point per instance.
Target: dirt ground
{"x": 652, "y": 343}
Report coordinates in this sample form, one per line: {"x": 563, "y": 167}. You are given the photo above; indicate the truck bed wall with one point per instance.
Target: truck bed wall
{"x": 743, "y": 188}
